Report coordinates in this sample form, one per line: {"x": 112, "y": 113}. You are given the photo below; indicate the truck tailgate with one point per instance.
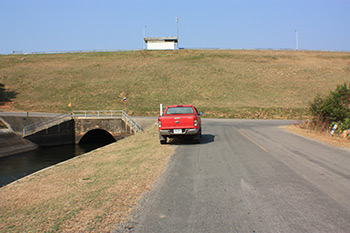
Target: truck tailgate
{"x": 177, "y": 122}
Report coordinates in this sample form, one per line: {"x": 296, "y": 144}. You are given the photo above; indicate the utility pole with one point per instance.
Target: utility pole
{"x": 297, "y": 40}
{"x": 144, "y": 36}
{"x": 177, "y": 30}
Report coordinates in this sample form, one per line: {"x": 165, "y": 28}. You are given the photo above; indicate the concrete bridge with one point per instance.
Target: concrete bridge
{"x": 80, "y": 127}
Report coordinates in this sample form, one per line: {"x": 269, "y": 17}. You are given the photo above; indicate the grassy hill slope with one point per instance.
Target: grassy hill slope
{"x": 222, "y": 83}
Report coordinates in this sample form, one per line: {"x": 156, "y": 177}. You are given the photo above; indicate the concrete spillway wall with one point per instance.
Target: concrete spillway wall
{"x": 68, "y": 132}
{"x": 17, "y": 123}
{"x": 72, "y": 131}
{"x": 61, "y": 134}
{"x": 115, "y": 127}
{"x": 11, "y": 143}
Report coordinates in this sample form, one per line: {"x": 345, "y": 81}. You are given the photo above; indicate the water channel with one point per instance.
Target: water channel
{"x": 17, "y": 166}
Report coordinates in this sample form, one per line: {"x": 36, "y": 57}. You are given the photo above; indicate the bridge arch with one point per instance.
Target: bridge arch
{"x": 97, "y": 136}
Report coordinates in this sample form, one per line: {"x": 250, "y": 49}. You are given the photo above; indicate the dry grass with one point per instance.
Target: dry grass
{"x": 224, "y": 83}
{"x": 322, "y": 136}
{"x": 92, "y": 192}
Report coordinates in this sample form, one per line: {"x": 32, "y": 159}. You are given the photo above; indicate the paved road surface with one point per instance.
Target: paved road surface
{"x": 249, "y": 176}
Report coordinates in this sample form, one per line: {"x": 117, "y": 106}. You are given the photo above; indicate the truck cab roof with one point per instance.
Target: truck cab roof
{"x": 181, "y": 109}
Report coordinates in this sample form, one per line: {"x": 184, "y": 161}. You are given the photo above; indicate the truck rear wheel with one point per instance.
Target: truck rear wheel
{"x": 162, "y": 139}
{"x": 197, "y": 138}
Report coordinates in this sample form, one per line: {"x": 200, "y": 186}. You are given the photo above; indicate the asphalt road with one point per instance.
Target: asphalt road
{"x": 249, "y": 176}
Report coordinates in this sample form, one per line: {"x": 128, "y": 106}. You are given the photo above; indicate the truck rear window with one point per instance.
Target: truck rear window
{"x": 180, "y": 110}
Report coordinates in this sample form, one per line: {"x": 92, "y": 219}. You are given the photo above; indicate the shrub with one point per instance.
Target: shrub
{"x": 333, "y": 108}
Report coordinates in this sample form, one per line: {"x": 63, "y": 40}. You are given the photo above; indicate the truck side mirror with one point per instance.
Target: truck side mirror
{"x": 200, "y": 113}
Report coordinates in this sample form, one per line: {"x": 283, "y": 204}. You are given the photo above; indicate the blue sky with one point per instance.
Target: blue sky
{"x": 58, "y": 25}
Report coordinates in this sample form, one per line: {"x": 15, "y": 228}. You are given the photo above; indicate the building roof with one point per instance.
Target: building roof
{"x": 164, "y": 39}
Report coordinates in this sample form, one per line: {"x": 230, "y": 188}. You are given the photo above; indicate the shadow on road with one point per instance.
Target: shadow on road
{"x": 206, "y": 138}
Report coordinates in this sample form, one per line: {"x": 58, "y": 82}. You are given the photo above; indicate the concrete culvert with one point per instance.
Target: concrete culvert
{"x": 97, "y": 136}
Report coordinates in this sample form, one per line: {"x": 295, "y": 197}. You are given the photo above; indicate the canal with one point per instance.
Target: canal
{"x": 17, "y": 166}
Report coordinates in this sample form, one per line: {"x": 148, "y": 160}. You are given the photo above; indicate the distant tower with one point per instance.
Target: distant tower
{"x": 177, "y": 30}
{"x": 296, "y": 40}
{"x": 144, "y": 36}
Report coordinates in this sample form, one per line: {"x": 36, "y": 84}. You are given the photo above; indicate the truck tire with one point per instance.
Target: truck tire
{"x": 197, "y": 138}
{"x": 162, "y": 139}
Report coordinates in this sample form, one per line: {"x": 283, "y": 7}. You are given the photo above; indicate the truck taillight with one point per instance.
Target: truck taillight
{"x": 159, "y": 124}
{"x": 195, "y": 123}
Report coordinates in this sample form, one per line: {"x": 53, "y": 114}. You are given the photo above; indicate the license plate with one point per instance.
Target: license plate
{"x": 177, "y": 131}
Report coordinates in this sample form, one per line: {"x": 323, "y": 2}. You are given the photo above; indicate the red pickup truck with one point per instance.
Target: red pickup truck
{"x": 179, "y": 121}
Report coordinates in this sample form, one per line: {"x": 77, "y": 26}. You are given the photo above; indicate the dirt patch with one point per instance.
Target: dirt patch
{"x": 324, "y": 136}
{"x": 93, "y": 192}
{"x": 6, "y": 106}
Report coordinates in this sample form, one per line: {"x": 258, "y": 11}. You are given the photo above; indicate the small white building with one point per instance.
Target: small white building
{"x": 161, "y": 43}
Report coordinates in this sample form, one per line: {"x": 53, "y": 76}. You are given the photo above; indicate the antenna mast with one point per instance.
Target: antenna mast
{"x": 177, "y": 30}
{"x": 297, "y": 40}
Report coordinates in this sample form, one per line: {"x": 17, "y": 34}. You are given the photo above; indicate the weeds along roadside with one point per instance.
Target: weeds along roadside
{"x": 332, "y": 112}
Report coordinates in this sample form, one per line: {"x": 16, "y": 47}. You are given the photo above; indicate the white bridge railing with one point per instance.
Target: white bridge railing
{"x": 118, "y": 114}
{"x": 36, "y": 127}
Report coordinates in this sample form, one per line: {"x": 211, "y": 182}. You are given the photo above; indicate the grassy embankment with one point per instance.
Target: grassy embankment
{"x": 97, "y": 190}
{"x": 229, "y": 84}
{"x": 92, "y": 192}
